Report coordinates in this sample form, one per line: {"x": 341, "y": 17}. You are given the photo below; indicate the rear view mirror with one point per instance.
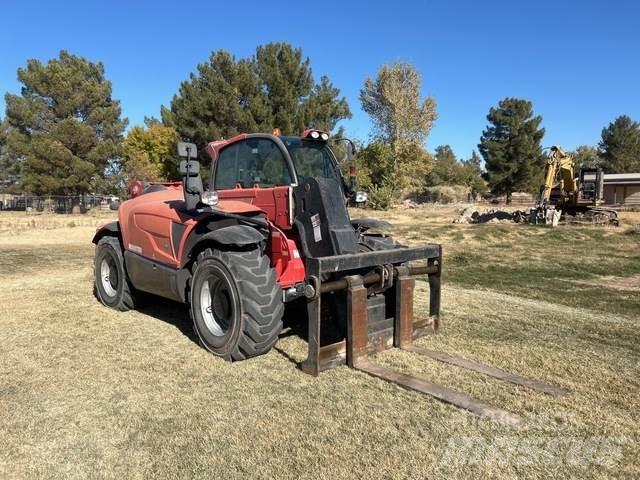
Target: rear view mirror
{"x": 190, "y": 167}
{"x": 187, "y": 150}
{"x": 344, "y": 150}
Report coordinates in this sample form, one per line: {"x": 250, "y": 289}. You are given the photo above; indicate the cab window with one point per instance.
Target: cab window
{"x": 251, "y": 162}
{"x": 311, "y": 159}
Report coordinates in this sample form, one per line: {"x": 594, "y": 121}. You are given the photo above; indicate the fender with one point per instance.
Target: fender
{"x": 107, "y": 230}
{"x": 236, "y": 235}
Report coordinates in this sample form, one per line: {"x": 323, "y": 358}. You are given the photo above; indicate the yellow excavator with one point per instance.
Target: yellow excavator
{"x": 574, "y": 199}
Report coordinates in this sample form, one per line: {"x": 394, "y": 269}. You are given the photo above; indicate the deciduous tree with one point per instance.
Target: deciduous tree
{"x": 586, "y": 156}
{"x": 402, "y": 120}
{"x": 389, "y": 177}
{"x": 150, "y": 153}
{"x": 395, "y": 104}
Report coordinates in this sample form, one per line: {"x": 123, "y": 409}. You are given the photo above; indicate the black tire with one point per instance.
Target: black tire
{"x": 117, "y": 293}
{"x": 244, "y": 316}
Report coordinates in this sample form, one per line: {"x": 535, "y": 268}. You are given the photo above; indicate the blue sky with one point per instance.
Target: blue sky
{"x": 578, "y": 62}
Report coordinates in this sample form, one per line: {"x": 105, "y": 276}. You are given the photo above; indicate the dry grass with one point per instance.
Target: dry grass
{"x": 87, "y": 392}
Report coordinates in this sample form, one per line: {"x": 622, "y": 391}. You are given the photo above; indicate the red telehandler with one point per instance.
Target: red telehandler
{"x": 272, "y": 232}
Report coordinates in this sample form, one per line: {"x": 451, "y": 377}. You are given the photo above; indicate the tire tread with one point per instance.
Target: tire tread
{"x": 260, "y": 296}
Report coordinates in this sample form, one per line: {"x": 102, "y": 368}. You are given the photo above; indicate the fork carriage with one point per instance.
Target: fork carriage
{"x": 379, "y": 292}
{"x": 379, "y": 303}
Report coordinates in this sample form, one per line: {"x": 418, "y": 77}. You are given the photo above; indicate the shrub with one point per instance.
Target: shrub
{"x": 380, "y": 197}
{"x": 447, "y": 194}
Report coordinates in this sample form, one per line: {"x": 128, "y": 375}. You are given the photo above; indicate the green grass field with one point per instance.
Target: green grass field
{"x": 87, "y": 392}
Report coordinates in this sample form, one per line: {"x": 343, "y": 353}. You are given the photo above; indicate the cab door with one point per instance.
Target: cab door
{"x": 258, "y": 171}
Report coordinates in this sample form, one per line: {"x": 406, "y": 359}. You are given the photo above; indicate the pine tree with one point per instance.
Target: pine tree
{"x": 223, "y": 99}
{"x": 10, "y": 165}
{"x": 446, "y": 168}
{"x": 472, "y": 174}
{"x": 323, "y": 109}
{"x": 620, "y": 146}
{"x": 288, "y": 81}
{"x": 65, "y": 126}
{"x": 274, "y": 88}
{"x": 510, "y": 146}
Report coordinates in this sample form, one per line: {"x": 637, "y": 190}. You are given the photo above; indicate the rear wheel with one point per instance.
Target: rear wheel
{"x": 112, "y": 286}
{"x": 235, "y": 303}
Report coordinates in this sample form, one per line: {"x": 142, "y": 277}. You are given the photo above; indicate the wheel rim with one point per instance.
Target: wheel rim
{"x": 216, "y": 305}
{"x": 109, "y": 276}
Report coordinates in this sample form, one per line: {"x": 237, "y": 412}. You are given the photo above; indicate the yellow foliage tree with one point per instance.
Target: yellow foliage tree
{"x": 402, "y": 119}
{"x": 150, "y": 152}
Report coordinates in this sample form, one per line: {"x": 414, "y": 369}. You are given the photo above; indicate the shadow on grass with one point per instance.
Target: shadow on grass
{"x": 176, "y": 314}
{"x": 168, "y": 311}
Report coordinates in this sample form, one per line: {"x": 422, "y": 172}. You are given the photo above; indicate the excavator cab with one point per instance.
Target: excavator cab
{"x": 591, "y": 186}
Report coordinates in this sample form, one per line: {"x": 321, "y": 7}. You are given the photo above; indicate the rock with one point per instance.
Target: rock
{"x": 491, "y": 215}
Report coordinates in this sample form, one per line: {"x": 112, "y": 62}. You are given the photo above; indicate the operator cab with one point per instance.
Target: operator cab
{"x": 255, "y": 162}
{"x": 296, "y": 181}
{"x": 267, "y": 161}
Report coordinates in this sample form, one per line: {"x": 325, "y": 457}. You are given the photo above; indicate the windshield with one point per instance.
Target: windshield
{"x": 311, "y": 158}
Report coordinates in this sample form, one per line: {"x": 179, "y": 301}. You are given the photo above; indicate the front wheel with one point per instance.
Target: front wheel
{"x": 112, "y": 286}
{"x": 235, "y": 303}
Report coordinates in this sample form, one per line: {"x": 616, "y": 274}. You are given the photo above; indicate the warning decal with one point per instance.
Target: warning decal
{"x": 315, "y": 223}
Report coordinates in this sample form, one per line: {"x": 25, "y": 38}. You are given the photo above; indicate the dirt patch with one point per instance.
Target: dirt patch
{"x": 630, "y": 284}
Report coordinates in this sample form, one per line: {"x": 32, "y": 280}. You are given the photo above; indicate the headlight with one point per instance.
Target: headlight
{"x": 315, "y": 135}
{"x": 361, "y": 197}
{"x": 210, "y": 198}
{"x": 324, "y": 136}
